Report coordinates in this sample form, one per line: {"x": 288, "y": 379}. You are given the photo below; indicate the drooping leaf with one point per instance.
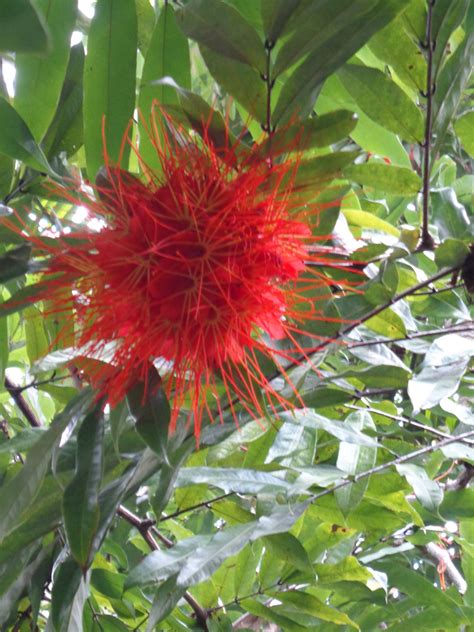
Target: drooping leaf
{"x": 39, "y": 80}
{"x": 81, "y": 497}
{"x": 167, "y": 56}
{"x": 70, "y": 591}
{"x": 109, "y": 82}
{"x": 17, "y": 141}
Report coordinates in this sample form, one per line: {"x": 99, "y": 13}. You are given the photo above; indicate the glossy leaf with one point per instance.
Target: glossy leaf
{"x": 68, "y": 597}
{"x": 39, "y": 80}
{"x": 109, "y": 82}
{"x": 81, "y": 496}
{"x": 383, "y": 101}
{"x": 17, "y": 141}
{"x": 30, "y": 477}
{"x": 167, "y": 56}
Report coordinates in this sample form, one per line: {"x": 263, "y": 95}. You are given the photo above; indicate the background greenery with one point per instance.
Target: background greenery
{"x": 354, "y": 513}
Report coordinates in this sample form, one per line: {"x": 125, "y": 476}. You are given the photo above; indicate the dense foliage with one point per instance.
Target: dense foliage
{"x": 355, "y": 509}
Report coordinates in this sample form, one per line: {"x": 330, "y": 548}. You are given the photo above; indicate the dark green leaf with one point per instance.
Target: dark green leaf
{"x": 449, "y": 215}
{"x": 66, "y": 130}
{"x": 275, "y": 16}
{"x": 386, "y": 178}
{"x": 39, "y": 80}
{"x": 22, "y": 29}
{"x": 310, "y": 604}
{"x": 68, "y": 597}
{"x": 167, "y": 56}
{"x": 243, "y": 82}
{"x": 165, "y": 599}
{"x": 152, "y": 414}
{"x": 17, "y": 141}
{"x": 21, "y": 490}
{"x": 288, "y": 548}
{"x": 109, "y": 82}
{"x": 451, "y": 252}
{"x": 222, "y": 29}
{"x": 81, "y": 497}
{"x": 15, "y": 263}
{"x": 383, "y": 101}
{"x": 322, "y": 169}
{"x": 330, "y": 38}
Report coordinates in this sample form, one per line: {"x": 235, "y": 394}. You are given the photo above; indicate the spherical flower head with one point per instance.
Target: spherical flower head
{"x": 197, "y": 269}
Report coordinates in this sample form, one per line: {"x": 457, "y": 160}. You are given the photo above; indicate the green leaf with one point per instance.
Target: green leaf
{"x": 21, "y": 299}
{"x": 20, "y": 491}
{"x": 164, "y": 601}
{"x": 336, "y": 428}
{"x": 145, "y": 23}
{"x": 322, "y": 169}
{"x": 305, "y": 602}
{"x": 394, "y": 46}
{"x": 37, "y": 344}
{"x": 386, "y": 178}
{"x": 222, "y": 29}
{"x": 15, "y": 263}
{"x": 275, "y": 16}
{"x": 66, "y": 130}
{"x": 81, "y": 496}
{"x": 428, "y": 492}
{"x": 152, "y": 414}
{"x": 22, "y": 29}
{"x": 388, "y": 324}
{"x": 449, "y": 215}
{"x": 464, "y": 127}
{"x": 451, "y": 252}
{"x": 243, "y": 82}
{"x": 383, "y": 101}
{"x": 269, "y": 614}
{"x": 69, "y": 595}
{"x": 4, "y": 351}
{"x": 452, "y": 82}
{"x": 233, "y": 480}
{"x": 109, "y": 82}
{"x": 167, "y": 56}
{"x": 107, "y": 583}
{"x": 329, "y": 38}
{"x": 354, "y": 459}
{"x": 17, "y": 141}
{"x": 447, "y": 17}
{"x": 39, "y": 80}
{"x": 196, "y": 558}
{"x": 314, "y": 132}
{"x": 286, "y": 547}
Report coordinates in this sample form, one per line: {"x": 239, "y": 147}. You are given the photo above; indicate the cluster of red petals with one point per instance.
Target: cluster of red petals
{"x": 202, "y": 266}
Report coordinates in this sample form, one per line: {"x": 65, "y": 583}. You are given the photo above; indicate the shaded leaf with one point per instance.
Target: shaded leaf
{"x": 22, "y": 28}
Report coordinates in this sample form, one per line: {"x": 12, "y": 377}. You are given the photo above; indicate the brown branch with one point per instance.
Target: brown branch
{"x": 20, "y": 401}
{"x": 443, "y": 557}
{"x": 427, "y": 241}
{"x": 463, "y": 480}
{"x": 400, "y": 459}
{"x": 146, "y": 530}
{"x": 205, "y": 503}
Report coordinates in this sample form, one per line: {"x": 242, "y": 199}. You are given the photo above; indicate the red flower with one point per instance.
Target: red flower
{"x": 199, "y": 268}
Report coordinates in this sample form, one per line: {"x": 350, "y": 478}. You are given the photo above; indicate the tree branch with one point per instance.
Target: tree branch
{"x": 456, "y": 329}
{"x": 20, "y": 401}
{"x": 145, "y": 528}
{"x": 442, "y": 557}
{"x": 427, "y": 241}
{"x": 400, "y": 459}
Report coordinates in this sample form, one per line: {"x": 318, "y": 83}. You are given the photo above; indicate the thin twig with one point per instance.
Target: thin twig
{"x": 205, "y": 503}
{"x": 20, "y": 401}
{"x": 146, "y": 530}
{"x": 456, "y": 329}
{"x": 427, "y": 241}
{"x": 400, "y": 459}
{"x": 408, "y": 421}
{"x": 267, "y": 126}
